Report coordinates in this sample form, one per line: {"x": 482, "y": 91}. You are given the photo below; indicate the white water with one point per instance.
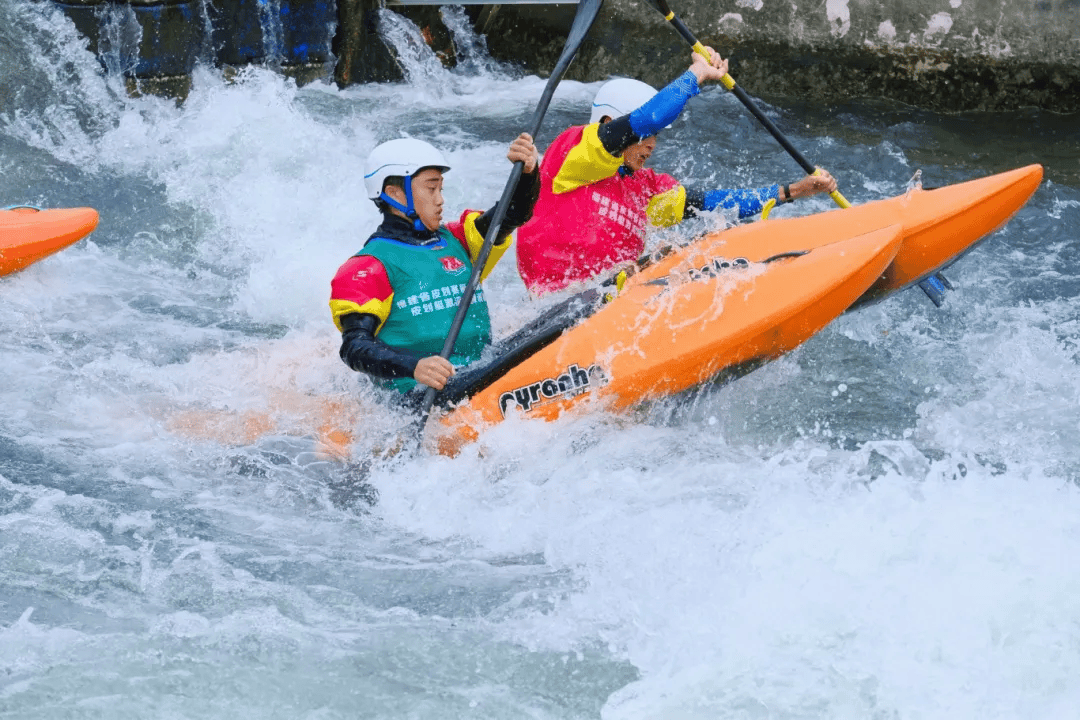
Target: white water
{"x": 882, "y": 525}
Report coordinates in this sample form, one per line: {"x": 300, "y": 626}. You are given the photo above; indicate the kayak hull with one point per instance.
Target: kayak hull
{"x": 933, "y": 227}
{"x": 28, "y": 235}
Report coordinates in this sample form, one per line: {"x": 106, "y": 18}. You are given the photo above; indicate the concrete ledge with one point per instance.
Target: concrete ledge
{"x": 978, "y": 55}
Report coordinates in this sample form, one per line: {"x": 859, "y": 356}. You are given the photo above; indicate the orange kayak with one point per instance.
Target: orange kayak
{"x": 708, "y": 314}
{"x": 939, "y": 226}
{"x": 28, "y": 234}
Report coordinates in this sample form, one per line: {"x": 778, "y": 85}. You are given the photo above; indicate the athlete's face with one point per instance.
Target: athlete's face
{"x": 638, "y": 154}
{"x": 427, "y": 196}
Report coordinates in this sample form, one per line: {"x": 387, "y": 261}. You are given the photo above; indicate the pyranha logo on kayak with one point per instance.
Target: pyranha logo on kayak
{"x": 574, "y": 381}
{"x": 713, "y": 269}
{"x": 719, "y": 265}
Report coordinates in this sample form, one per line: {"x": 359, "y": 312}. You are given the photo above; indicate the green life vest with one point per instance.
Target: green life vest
{"x": 428, "y": 281}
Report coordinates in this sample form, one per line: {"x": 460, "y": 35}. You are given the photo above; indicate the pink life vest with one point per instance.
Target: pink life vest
{"x": 601, "y": 222}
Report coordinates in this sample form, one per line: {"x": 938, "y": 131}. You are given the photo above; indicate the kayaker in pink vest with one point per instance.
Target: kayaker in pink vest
{"x": 597, "y": 198}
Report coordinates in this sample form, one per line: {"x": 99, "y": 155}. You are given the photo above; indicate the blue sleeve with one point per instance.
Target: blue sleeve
{"x": 749, "y": 202}
{"x": 665, "y": 106}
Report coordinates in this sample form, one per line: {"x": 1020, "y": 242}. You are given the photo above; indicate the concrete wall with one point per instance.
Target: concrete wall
{"x": 940, "y": 54}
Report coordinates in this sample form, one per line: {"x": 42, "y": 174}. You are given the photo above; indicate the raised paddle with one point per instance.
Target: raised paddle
{"x": 729, "y": 82}
{"x": 587, "y": 11}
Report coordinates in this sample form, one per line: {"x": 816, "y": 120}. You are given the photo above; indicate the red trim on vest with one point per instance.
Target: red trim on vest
{"x": 360, "y": 279}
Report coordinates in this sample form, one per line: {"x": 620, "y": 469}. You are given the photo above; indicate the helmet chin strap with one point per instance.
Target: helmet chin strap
{"x": 408, "y": 208}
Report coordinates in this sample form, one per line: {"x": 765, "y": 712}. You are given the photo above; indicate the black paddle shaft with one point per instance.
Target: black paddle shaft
{"x": 586, "y": 13}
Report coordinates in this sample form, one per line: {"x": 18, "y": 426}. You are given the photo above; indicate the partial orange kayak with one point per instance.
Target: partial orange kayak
{"x": 708, "y": 314}
{"x": 939, "y": 226}
{"x": 28, "y": 234}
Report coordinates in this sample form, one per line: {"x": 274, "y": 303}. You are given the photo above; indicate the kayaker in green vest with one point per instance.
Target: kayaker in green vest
{"x": 394, "y": 301}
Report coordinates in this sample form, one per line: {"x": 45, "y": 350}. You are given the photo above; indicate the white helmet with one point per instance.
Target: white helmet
{"x": 401, "y": 157}
{"x": 619, "y": 97}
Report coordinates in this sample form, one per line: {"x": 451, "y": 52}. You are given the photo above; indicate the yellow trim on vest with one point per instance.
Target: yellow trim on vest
{"x": 588, "y": 162}
{"x": 667, "y": 208}
{"x": 378, "y": 308}
{"x": 476, "y": 241}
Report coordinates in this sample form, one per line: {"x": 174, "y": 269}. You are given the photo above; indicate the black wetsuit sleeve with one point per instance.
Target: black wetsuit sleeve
{"x": 521, "y": 206}
{"x": 695, "y": 201}
{"x": 617, "y": 135}
{"x": 364, "y": 352}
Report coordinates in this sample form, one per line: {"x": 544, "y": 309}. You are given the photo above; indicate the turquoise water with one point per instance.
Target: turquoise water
{"x": 880, "y": 525}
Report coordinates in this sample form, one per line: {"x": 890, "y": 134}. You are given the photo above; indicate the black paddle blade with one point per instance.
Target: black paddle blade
{"x": 660, "y": 6}
{"x": 587, "y": 11}
{"x": 584, "y": 18}
{"x": 935, "y": 287}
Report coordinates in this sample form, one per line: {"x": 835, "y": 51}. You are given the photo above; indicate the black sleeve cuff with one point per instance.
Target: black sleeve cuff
{"x": 695, "y": 201}
{"x": 363, "y": 352}
{"x": 617, "y": 135}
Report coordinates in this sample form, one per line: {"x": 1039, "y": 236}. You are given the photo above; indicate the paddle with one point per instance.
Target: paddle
{"x": 587, "y": 11}
{"x": 729, "y": 82}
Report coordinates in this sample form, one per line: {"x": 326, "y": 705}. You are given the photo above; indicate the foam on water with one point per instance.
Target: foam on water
{"x": 878, "y": 525}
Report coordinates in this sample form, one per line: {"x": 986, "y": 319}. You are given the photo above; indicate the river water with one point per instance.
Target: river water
{"x": 883, "y": 524}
